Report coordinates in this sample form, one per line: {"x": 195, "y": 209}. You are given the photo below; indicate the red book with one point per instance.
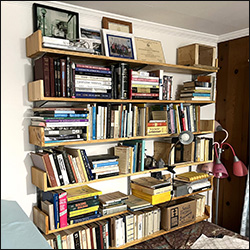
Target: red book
{"x": 63, "y": 77}
{"x": 41, "y": 69}
{"x": 142, "y": 79}
{"x": 91, "y": 227}
{"x": 155, "y": 124}
{"x": 63, "y": 216}
{"x": 41, "y": 160}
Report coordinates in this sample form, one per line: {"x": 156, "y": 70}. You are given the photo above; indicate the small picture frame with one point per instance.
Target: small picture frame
{"x": 91, "y": 39}
{"x": 117, "y": 25}
{"x": 119, "y": 44}
{"x": 55, "y": 22}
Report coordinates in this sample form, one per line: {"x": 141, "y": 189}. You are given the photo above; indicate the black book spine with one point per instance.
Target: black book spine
{"x": 88, "y": 164}
{"x": 98, "y": 237}
{"x": 68, "y": 168}
{"x": 59, "y": 77}
{"x": 77, "y": 72}
{"x": 123, "y": 78}
{"x": 68, "y": 92}
{"x": 169, "y": 119}
{"x": 83, "y": 200}
{"x": 108, "y": 175}
{"x": 76, "y": 240}
{"x": 56, "y": 78}
{"x": 114, "y": 86}
{"x": 85, "y": 165}
{"x": 181, "y": 115}
{"x": 58, "y": 169}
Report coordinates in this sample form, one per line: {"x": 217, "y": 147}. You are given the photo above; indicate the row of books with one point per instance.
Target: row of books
{"x": 67, "y": 77}
{"x": 65, "y": 165}
{"x": 113, "y": 232}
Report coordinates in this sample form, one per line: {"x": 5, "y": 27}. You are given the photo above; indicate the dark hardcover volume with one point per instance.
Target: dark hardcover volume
{"x": 42, "y": 73}
{"x": 55, "y": 78}
{"x": 114, "y": 83}
{"x": 98, "y": 236}
{"x": 52, "y": 77}
{"x": 59, "y": 78}
{"x": 68, "y": 69}
{"x": 77, "y": 72}
{"x": 76, "y": 240}
{"x": 63, "y": 76}
{"x": 122, "y": 80}
{"x": 83, "y": 152}
{"x": 85, "y": 165}
{"x": 109, "y": 120}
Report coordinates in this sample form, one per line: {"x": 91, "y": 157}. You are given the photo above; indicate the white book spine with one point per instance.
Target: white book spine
{"x": 155, "y": 222}
{"x": 92, "y": 84}
{"x": 63, "y": 169}
{"x": 105, "y": 122}
{"x": 107, "y": 236}
{"x": 78, "y": 176}
{"x": 84, "y": 239}
{"x": 88, "y": 238}
{"x": 98, "y": 124}
{"x": 93, "y": 78}
{"x": 54, "y": 169}
{"x": 94, "y": 237}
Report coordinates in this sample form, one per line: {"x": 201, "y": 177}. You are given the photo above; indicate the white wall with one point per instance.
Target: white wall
{"x": 16, "y": 72}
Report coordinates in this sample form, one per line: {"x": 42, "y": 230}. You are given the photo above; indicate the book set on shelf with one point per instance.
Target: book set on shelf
{"x": 122, "y": 104}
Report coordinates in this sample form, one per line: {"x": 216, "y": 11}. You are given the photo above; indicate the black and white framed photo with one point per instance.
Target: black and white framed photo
{"x": 91, "y": 39}
{"x": 55, "y": 22}
{"x": 119, "y": 44}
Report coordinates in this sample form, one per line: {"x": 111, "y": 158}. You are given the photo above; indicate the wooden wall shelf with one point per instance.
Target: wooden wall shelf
{"x": 39, "y": 177}
{"x": 35, "y": 49}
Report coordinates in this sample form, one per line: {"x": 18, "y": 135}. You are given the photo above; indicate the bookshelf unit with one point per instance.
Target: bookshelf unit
{"x": 34, "y": 49}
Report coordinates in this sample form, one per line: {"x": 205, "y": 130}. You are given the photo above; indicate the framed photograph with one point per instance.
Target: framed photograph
{"x": 116, "y": 25}
{"x": 91, "y": 39}
{"x": 149, "y": 50}
{"x": 119, "y": 44}
{"x": 54, "y": 22}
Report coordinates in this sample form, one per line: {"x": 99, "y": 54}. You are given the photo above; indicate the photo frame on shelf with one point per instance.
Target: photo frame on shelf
{"x": 117, "y": 25}
{"x": 91, "y": 39}
{"x": 149, "y": 50}
{"x": 55, "y": 22}
{"x": 119, "y": 44}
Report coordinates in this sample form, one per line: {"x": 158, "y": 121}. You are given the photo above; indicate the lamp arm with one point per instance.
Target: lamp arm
{"x": 169, "y": 156}
{"x": 216, "y": 143}
{"x": 229, "y": 146}
{"x": 225, "y": 137}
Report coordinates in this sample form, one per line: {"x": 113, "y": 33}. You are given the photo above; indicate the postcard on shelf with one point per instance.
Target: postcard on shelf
{"x": 149, "y": 50}
{"x": 118, "y": 25}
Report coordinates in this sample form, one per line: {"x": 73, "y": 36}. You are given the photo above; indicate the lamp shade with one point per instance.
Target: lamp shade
{"x": 219, "y": 170}
{"x": 239, "y": 168}
{"x": 186, "y": 137}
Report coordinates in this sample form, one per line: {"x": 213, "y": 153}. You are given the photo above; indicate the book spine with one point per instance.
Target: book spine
{"x": 146, "y": 79}
{"x": 76, "y": 238}
{"x": 68, "y": 70}
{"x": 46, "y": 78}
{"x": 77, "y": 72}
{"x": 142, "y": 90}
{"x": 52, "y": 77}
{"x": 94, "y": 122}
{"x": 63, "y": 169}
{"x": 82, "y": 205}
{"x": 81, "y": 69}
{"x": 58, "y": 169}
{"x": 63, "y": 209}
{"x": 59, "y": 78}
{"x": 68, "y": 168}
{"x": 54, "y": 169}
{"x": 96, "y": 165}
{"x": 63, "y": 77}
{"x": 83, "y": 211}
{"x": 100, "y": 176}
{"x": 155, "y": 124}
{"x": 65, "y": 120}
{"x": 145, "y": 94}
{"x": 86, "y": 164}
{"x": 78, "y": 65}
{"x": 56, "y": 210}
{"x": 92, "y": 95}
{"x": 72, "y": 80}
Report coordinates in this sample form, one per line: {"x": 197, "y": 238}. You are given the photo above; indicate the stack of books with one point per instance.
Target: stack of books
{"x": 82, "y": 204}
{"x": 196, "y": 90}
{"x": 157, "y": 127}
{"x": 92, "y": 81}
{"x": 135, "y": 203}
{"x": 151, "y": 189}
{"x": 103, "y": 166}
{"x": 62, "y": 124}
{"x": 112, "y": 203}
{"x": 143, "y": 86}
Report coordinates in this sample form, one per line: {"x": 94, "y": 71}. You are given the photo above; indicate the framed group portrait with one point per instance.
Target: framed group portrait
{"x": 119, "y": 44}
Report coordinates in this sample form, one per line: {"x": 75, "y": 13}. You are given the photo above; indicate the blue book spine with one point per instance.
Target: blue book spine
{"x": 93, "y": 70}
{"x": 201, "y": 94}
{"x": 94, "y": 216}
{"x": 105, "y": 164}
{"x": 79, "y": 115}
{"x": 66, "y": 120}
{"x": 94, "y": 122}
{"x": 122, "y": 124}
{"x": 88, "y": 165}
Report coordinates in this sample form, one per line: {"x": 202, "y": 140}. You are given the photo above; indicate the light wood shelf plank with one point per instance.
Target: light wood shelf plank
{"x": 34, "y": 49}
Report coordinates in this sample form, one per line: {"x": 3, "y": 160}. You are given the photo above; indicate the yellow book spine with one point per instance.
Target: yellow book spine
{"x": 83, "y": 211}
{"x": 83, "y": 196}
{"x": 153, "y": 199}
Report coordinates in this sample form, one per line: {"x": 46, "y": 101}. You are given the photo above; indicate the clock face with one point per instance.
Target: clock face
{"x": 148, "y": 162}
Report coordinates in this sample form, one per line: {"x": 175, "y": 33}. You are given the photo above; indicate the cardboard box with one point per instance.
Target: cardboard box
{"x": 197, "y": 55}
{"x": 178, "y": 213}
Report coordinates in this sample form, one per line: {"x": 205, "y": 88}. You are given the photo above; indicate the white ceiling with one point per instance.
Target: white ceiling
{"x": 212, "y": 17}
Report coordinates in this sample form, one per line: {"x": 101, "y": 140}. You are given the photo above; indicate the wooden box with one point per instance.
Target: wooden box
{"x": 197, "y": 55}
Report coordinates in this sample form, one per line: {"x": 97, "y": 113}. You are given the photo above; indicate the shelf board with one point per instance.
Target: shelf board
{"x": 34, "y": 49}
{"x": 39, "y": 177}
